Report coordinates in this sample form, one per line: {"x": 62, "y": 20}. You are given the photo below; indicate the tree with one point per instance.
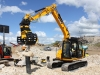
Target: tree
{"x": 56, "y": 43}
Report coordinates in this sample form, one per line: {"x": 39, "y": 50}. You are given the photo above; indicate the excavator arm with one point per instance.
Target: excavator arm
{"x": 24, "y": 25}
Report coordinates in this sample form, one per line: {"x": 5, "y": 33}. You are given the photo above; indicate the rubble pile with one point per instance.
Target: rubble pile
{"x": 93, "y": 67}
{"x": 93, "y": 59}
{"x": 35, "y": 53}
{"x": 12, "y": 71}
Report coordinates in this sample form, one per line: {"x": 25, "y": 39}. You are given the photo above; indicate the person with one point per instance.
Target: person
{"x": 73, "y": 49}
{"x": 24, "y": 47}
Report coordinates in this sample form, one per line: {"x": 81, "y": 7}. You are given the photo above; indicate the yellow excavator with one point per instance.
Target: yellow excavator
{"x": 69, "y": 57}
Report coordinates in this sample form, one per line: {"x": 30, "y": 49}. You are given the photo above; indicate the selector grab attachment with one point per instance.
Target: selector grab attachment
{"x": 31, "y": 39}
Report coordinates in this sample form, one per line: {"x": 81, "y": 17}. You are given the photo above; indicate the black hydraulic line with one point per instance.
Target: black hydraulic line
{"x": 25, "y": 22}
{"x": 60, "y": 18}
{"x": 39, "y": 10}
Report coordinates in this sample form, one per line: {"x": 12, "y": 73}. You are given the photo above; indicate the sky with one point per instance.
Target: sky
{"x": 81, "y": 17}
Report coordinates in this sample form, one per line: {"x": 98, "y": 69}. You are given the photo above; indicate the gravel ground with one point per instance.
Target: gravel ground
{"x": 93, "y": 67}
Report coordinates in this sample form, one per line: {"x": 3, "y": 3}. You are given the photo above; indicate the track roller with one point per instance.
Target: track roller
{"x": 54, "y": 64}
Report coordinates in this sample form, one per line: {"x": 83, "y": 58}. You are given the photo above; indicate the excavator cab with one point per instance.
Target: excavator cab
{"x": 68, "y": 58}
{"x": 5, "y": 52}
{"x": 72, "y": 49}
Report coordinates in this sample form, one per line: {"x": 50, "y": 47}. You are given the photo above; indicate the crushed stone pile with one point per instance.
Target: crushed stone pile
{"x": 93, "y": 59}
{"x": 37, "y": 54}
{"x": 12, "y": 71}
{"x": 93, "y": 68}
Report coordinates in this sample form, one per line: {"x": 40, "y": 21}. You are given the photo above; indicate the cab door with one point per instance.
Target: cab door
{"x": 66, "y": 48}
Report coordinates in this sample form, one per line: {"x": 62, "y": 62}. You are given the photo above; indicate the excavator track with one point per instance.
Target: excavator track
{"x": 65, "y": 66}
{"x": 73, "y": 65}
{"x": 54, "y": 64}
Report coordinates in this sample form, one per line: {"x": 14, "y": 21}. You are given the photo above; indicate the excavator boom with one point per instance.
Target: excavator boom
{"x": 45, "y": 11}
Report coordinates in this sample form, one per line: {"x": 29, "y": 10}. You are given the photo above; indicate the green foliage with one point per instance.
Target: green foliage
{"x": 56, "y": 43}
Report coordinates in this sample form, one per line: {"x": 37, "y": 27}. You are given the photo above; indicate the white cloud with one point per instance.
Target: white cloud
{"x": 59, "y": 36}
{"x": 18, "y": 33}
{"x": 13, "y": 9}
{"x": 46, "y": 40}
{"x": 8, "y": 39}
{"x": 57, "y": 29}
{"x": 10, "y": 33}
{"x": 16, "y": 9}
{"x": 23, "y": 3}
{"x": 85, "y": 26}
{"x": 1, "y": 37}
{"x": 47, "y": 18}
{"x": 42, "y": 38}
{"x": 41, "y": 33}
{"x": 11, "y": 39}
{"x": 64, "y": 21}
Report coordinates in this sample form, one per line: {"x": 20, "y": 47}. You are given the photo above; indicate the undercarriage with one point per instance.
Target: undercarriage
{"x": 66, "y": 66}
